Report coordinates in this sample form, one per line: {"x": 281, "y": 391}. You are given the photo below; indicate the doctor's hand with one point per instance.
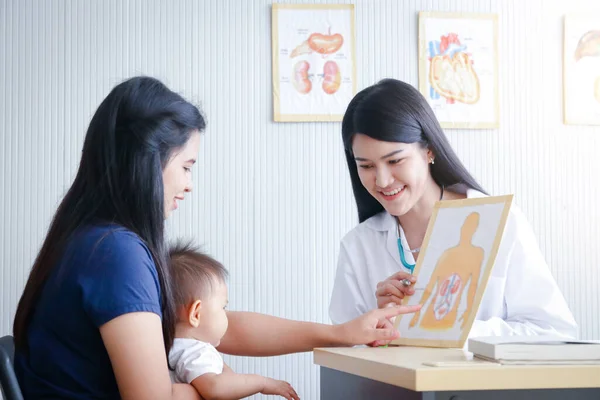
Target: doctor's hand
{"x": 392, "y": 290}
{"x": 374, "y": 327}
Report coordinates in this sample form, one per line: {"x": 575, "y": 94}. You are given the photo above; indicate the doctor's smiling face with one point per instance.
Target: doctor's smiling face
{"x": 396, "y": 174}
{"x": 391, "y": 139}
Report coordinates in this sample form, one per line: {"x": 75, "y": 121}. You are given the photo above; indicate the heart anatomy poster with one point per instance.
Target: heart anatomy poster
{"x": 314, "y": 73}
{"x": 458, "y": 68}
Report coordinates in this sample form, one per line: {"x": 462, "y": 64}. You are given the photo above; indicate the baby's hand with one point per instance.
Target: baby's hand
{"x": 281, "y": 388}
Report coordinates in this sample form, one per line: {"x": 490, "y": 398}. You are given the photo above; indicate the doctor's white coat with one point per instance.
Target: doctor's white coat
{"x": 521, "y": 297}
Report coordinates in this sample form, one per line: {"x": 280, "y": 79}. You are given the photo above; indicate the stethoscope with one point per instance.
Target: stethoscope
{"x": 409, "y": 267}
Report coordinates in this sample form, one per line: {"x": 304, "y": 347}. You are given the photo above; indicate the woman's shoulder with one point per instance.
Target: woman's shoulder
{"x": 112, "y": 271}
{"x": 107, "y": 236}
{"x": 369, "y": 228}
{"x": 109, "y": 244}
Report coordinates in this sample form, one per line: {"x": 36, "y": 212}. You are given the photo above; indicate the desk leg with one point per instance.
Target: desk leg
{"x": 336, "y": 385}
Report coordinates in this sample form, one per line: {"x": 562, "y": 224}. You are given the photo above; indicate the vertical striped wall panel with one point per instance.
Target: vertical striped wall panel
{"x": 272, "y": 200}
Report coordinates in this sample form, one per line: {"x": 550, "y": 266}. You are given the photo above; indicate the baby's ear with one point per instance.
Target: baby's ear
{"x": 194, "y": 313}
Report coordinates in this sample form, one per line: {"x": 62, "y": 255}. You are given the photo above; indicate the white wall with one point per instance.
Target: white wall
{"x": 273, "y": 200}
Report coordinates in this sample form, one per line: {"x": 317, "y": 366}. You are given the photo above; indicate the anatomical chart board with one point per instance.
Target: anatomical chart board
{"x": 314, "y": 75}
{"x": 458, "y": 68}
{"x": 452, "y": 270}
{"x": 581, "y": 86}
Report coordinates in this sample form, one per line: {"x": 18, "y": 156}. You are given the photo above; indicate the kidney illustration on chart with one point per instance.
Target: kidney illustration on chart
{"x": 305, "y": 72}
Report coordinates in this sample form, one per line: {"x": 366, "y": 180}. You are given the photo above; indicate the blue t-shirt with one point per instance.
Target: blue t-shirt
{"x": 105, "y": 271}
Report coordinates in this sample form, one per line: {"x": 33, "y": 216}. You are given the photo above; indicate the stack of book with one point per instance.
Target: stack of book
{"x": 535, "y": 350}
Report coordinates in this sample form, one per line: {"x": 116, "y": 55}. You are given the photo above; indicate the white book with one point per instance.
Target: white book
{"x": 534, "y": 348}
{"x": 534, "y": 362}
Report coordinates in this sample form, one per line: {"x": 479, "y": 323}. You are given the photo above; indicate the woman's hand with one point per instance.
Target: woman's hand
{"x": 392, "y": 290}
{"x": 374, "y": 327}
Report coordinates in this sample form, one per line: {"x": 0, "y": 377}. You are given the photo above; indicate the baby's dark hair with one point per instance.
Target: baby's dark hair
{"x": 194, "y": 273}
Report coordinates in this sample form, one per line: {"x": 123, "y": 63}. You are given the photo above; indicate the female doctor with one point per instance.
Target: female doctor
{"x": 400, "y": 164}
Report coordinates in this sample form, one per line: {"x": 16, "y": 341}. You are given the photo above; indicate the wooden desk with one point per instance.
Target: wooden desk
{"x": 400, "y": 373}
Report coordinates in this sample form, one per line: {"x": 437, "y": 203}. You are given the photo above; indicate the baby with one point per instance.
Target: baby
{"x": 201, "y": 297}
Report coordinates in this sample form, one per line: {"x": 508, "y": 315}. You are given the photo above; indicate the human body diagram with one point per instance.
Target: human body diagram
{"x": 456, "y": 267}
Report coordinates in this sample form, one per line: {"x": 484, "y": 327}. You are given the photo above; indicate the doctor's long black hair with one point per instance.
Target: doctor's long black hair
{"x": 394, "y": 111}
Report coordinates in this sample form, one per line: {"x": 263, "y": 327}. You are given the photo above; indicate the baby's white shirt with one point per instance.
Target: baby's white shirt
{"x": 192, "y": 358}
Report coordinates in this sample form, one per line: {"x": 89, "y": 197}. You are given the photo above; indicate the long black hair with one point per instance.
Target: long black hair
{"x": 130, "y": 139}
{"x": 394, "y": 111}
